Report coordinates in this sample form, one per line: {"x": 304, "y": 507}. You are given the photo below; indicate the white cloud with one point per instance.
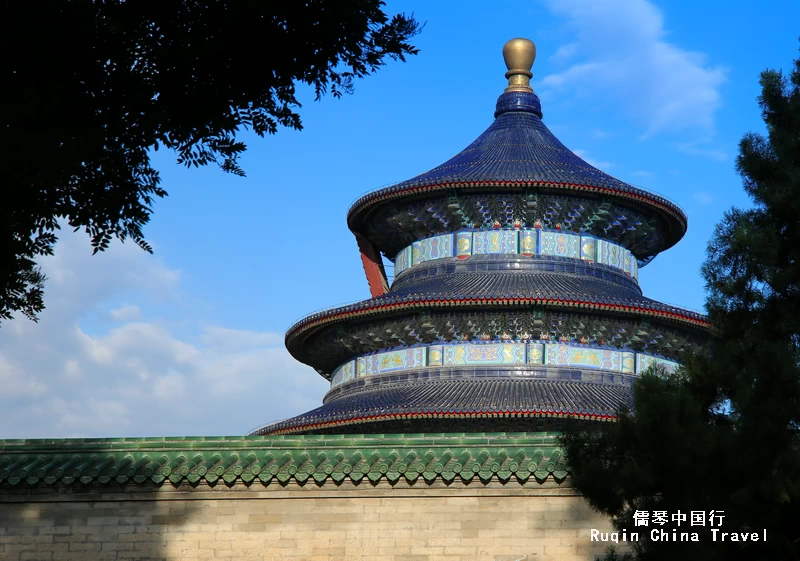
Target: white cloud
{"x": 16, "y": 384}
{"x": 167, "y": 388}
{"x": 125, "y": 313}
{"x": 72, "y": 369}
{"x": 76, "y": 418}
{"x": 564, "y": 53}
{"x": 621, "y": 55}
{"x": 236, "y": 339}
{"x": 137, "y": 375}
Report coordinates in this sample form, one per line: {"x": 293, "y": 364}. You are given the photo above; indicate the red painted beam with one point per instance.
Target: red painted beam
{"x": 373, "y": 267}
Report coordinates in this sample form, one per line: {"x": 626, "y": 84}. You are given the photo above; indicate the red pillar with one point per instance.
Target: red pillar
{"x": 373, "y": 267}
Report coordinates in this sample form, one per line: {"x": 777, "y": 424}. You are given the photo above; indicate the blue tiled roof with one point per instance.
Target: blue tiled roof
{"x": 521, "y": 284}
{"x": 524, "y": 397}
{"x": 517, "y": 147}
{"x": 502, "y": 286}
{"x": 516, "y": 264}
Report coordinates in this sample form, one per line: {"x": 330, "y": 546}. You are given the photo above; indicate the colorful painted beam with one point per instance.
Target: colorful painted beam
{"x": 527, "y": 242}
{"x": 480, "y": 353}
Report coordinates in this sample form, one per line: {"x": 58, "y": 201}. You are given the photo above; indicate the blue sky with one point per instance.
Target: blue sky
{"x": 190, "y": 340}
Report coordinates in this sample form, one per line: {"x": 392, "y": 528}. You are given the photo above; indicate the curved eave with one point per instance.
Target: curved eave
{"x": 307, "y": 326}
{"x": 279, "y": 429}
{"x": 359, "y": 211}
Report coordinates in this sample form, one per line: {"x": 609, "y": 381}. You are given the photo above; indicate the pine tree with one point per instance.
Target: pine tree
{"x": 723, "y": 434}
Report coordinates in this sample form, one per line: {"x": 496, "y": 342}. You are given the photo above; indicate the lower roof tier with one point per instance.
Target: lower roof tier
{"x": 435, "y": 403}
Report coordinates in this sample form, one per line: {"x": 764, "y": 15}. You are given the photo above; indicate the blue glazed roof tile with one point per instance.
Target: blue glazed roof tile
{"x": 517, "y": 147}
{"x": 497, "y": 285}
{"x": 466, "y": 398}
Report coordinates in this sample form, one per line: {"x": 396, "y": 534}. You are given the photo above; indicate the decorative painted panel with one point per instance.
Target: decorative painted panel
{"x": 348, "y": 371}
{"x": 527, "y": 242}
{"x": 628, "y": 363}
{"x": 416, "y": 253}
{"x": 643, "y": 362}
{"x": 588, "y": 248}
{"x": 463, "y": 244}
{"x": 402, "y": 359}
{"x": 612, "y": 255}
{"x": 402, "y": 261}
{"x": 535, "y": 353}
{"x": 567, "y": 355}
{"x": 345, "y": 372}
{"x": 435, "y": 356}
{"x": 482, "y": 354}
{"x": 560, "y": 244}
{"x": 669, "y": 366}
{"x": 437, "y": 247}
{"x": 494, "y": 242}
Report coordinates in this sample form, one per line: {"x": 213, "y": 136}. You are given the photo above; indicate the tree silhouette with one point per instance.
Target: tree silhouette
{"x": 724, "y": 433}
{"x": 93, "y": 85}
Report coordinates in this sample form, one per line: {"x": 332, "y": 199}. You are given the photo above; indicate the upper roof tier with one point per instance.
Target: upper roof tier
{"x": 516, "y": 154}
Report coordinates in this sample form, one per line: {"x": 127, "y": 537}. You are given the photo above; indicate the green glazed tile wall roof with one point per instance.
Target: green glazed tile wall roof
{"x": 281, "y": 459}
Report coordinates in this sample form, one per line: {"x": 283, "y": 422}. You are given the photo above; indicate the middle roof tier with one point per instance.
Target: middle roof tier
{"x": 491, "y": 297}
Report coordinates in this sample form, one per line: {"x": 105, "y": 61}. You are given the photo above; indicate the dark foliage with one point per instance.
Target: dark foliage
{"x": 723, "y": 434}
{"x": 92, "y": 86}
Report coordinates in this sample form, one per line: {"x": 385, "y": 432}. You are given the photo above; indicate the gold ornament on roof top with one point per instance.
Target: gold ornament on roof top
{"x": 519, "y": 55}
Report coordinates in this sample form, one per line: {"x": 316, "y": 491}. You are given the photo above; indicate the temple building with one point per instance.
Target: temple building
{"x": 514, "y": 305}
{"x": 515, "y": 301}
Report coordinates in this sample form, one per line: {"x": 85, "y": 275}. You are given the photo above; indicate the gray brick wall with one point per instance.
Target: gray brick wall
{"x": 351, "y": 522}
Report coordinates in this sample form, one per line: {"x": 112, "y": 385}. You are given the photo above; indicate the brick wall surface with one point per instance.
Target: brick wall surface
{"x": 350, "y": 522}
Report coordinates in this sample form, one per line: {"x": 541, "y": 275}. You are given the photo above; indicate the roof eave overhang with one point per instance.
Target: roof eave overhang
{"x": 325, "y": 425}
{"x": 360, "y": 210}
{"x": 303, "y": 329}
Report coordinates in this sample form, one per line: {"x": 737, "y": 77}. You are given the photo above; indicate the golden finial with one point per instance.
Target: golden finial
{"x": 519, "y": 55}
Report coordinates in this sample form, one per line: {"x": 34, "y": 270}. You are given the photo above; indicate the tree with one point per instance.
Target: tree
{"x": 93, "y": 85}
{"x": 724, "y": 433}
